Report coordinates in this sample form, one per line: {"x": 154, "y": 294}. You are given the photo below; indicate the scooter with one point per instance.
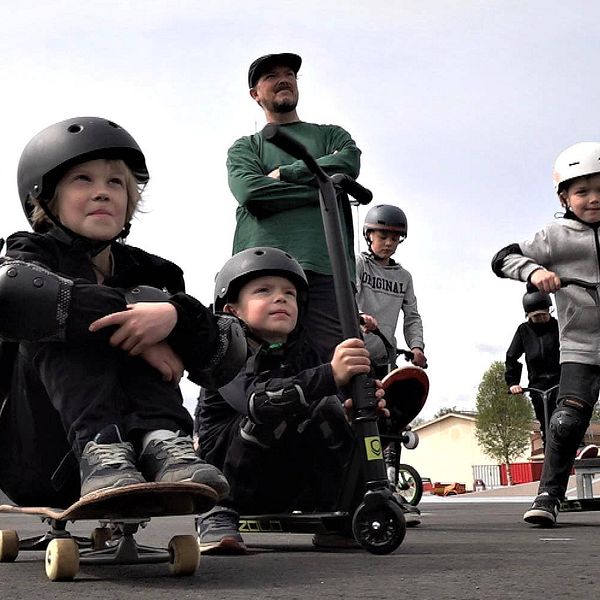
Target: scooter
{"x": 579, "y": 504}
{"x": 377, "y": 523}
{"x": 406, "y": 392}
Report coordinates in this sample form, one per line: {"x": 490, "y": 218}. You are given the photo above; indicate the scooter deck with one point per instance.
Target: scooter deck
{"x": 297, "y": 522}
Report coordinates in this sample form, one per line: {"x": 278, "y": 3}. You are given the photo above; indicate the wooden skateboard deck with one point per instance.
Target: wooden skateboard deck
{"x": 121, "y": 511}
{"x": 137, "y": 501}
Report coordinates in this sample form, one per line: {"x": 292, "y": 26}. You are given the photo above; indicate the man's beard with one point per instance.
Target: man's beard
{"x": 284, "y": 106}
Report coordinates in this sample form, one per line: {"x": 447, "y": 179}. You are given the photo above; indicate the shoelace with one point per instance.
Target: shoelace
{"x": 180, "y": 449}
{"x": 113, "y": 455}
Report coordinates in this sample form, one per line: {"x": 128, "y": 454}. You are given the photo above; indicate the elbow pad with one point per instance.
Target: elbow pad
{"x": 229, "y": 357}
{"x": 145, "y": 293}
{"x": 34, "y": 303}
{"x": 501, "y": 255}
{"x": 276, "y": 402}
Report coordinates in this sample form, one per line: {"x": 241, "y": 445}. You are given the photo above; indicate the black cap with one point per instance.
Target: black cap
{"x": 262, "y": 64}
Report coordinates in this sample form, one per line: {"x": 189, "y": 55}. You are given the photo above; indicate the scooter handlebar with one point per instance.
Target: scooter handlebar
{"x": 352, "y": 188}
{"x": 274, "y": 133}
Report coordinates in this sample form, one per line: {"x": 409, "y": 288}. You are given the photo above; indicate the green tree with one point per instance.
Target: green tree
{"x": 503, "y": 423}
{"x": 444, "y": 411}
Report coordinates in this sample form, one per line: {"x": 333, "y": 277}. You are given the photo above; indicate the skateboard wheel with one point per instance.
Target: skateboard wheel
{"x": 100, "y": 536}
{"x": 62, "y": 559}
{"x": 185, "y": 555}
{"x": 9, "y": 545}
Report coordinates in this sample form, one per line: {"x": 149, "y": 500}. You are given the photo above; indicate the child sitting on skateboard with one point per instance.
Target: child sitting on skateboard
{"x": 384, "y": 287}
{"x": 278, "y": 430}
{"x": 96, "y": 333}
{"x": 568, "y": 248}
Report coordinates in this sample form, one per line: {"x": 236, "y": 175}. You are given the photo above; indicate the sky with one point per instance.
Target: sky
{"x": 459, "y": 108}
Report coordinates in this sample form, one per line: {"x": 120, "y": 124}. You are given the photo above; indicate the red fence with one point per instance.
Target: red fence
{"x": 522, "y": 472}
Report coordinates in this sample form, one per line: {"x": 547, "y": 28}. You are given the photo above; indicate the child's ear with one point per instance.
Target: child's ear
{"x": 564, "y": 199}
{"x": 232, "y": 310}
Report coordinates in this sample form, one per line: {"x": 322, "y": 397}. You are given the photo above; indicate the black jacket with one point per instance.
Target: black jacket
{"x": 295, "y": 363}
{"x": 195, "y": 335}
{"x": 540, "y": 344}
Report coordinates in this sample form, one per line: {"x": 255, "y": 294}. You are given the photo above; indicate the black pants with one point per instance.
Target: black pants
{"x": 61, "y": 395}
{"x": 304, "y": 470}
{"x": 581, "y": 382}
{"x": 321, "y": 319}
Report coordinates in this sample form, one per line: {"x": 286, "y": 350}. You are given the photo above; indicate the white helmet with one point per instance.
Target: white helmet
{"x": 576, "y": 161}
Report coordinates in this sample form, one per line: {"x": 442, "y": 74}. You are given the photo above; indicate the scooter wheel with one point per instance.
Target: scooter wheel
{"x": 381, "y": 529}
{"x": 410, "y": 439}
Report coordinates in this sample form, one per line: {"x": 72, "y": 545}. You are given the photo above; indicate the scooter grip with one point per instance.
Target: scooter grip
{"x": 353, "y": 188}
{"x": 284, "y": 141}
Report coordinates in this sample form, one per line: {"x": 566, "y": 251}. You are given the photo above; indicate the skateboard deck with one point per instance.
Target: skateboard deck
{"x": 121, "y": 512}
{"x": 137, "y": 501}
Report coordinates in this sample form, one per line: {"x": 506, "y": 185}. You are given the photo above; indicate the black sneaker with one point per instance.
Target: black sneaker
{"x": 218, "y": 532}
{"x": 108, "y": 462}
{"x": 173, "y": 460}
{"x": 543, "y": 511}
{"x": 412, "y": 515}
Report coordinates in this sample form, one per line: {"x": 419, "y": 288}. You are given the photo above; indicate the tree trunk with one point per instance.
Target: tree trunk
{"x": 508, "y": 473}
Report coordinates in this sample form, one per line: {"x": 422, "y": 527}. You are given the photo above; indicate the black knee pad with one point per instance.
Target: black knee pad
{"x": 570, "y": 420}
{"x": 277, "y": 401}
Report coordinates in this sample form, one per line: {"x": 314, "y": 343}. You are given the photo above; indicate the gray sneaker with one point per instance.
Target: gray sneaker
{"x": 108, "y": 462}
{"x": 174, "y": 460}
{"x": 218, "y": 532}
{"x": 412, "y": 515}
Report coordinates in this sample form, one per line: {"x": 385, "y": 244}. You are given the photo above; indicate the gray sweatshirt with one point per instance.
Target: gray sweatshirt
{"x": 382, "y": 291}
{"x": 570, "y": 248}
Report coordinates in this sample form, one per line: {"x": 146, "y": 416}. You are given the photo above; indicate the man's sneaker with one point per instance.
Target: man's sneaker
{"x": 590, "y": 451}
{"x": 543, "y": 511}
{"x": 108, "y": 462}
{"x": 332, "y": 539}
{"x": 218, "y": 532}
{"x": 173, "y": 460}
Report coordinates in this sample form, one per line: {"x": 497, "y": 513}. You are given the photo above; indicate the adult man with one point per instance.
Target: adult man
{"x": 278, "y": 197}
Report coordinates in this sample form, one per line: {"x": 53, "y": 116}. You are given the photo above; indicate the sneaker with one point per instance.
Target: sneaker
{"x": 589, "y": 451}
{"x": 334, "y": 539}
{"x": 108, "y": 462}
{"x": 173, "y": 460}
{"x": 218, "y": 532}
{"x": 412, "y": 515}
{"x": 543, "y": 511}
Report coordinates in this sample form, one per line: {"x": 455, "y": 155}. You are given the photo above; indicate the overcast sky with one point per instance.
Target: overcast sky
{"x": 460, "y": 109}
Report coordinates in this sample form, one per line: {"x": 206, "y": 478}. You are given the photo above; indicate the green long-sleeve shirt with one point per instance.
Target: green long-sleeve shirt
{"x": 285, "y": 213}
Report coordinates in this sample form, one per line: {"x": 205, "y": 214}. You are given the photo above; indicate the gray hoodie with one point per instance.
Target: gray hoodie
{"x": 382, "y": 291}
{"x": 570, "y": 248}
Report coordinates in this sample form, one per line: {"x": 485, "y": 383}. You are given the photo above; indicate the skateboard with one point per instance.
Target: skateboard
{"x": 120, "y": 512}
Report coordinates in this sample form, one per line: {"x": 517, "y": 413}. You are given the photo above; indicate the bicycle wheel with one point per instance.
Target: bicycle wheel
{"x": 410, "y": 484}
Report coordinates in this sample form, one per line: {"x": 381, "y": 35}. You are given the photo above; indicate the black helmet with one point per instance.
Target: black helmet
{"x": 52, "y": 151}
{"x": 257, "y": 262}
{"x": 536, "y": 301}
{"x": 385, "y": 217}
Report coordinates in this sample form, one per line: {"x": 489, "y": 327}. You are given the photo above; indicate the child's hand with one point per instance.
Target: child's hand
{"x": 349, "y": 358}
{"x": 545, "y": 281}
{"x": 418, "y": 357}
{"x": 380, "y": 409}
{"x": 161, "y": 357}
{"x": 515, "y": 389}
{"x": 368, "y": 322}
{"x": 140, "y": 326}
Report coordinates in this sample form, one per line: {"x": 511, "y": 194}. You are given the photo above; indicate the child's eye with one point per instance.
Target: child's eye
{"x": 117, "y": 181}
{"x": 81, "y": 177}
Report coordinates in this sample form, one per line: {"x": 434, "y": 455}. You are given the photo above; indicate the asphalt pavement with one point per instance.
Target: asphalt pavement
{"x": 470, "y": 547}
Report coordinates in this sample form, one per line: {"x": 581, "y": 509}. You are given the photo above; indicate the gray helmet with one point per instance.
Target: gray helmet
{"x": 536, "y": 301}
{"x": 385, "y": 217}
{"x": 257, "y": 262}
{"x": 52, "y": 151}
